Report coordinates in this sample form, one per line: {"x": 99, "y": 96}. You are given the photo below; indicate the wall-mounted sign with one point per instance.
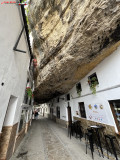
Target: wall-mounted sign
{"x": 90, "y": 107}
{"x": 95, "y": 106}
{"x": 96, "y": 112}
{"x": 101, "y": 106}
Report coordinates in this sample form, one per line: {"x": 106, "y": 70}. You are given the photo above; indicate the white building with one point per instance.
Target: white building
{"x": 44, "y": 110}
{"x": 15, "y": 76}
{"x": 103, "y": 107}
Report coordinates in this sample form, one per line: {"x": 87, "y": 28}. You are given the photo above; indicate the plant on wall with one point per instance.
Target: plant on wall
{"x": 35, "y": 62}
{"x": 78, "y": 88}
{"x": 93, "y": 82}
{"x": 29, "y": 92}
{"x": 24, "y": 1}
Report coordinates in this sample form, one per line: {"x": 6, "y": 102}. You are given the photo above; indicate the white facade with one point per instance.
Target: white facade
{"x": 13, "y": 65}
{"x": 43, "y": 109}
{"x": 108, "y": 74}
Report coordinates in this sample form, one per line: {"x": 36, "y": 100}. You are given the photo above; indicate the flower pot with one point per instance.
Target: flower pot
{"x": 35, "y": 64}
{"x": 35, "y": 60}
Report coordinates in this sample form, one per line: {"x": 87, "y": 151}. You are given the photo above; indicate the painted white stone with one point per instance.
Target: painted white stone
{"x": 13, "y": 65}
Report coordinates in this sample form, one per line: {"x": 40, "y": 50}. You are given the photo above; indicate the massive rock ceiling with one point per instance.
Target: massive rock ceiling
{"x": 70, "y": 38}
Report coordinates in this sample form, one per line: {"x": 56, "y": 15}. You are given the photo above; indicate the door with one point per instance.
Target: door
{"x": 51, "y": 113}
{"x": 58, "y": 112}
{"x": 69, "y": 115}
{"x": 82, "y": 110}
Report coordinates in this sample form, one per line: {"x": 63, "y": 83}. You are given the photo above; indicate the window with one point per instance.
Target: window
{"x": 68, "y": 97}
{"x": 22, "y": 121}
{"x": 78, "y": 87}
{"x": 58, "y": 99}
{"x": 93, "y": 82}
{"x": 92, "y": 79}
{"x": 25, "y": 98}
{"x": 58, "y": 112}
{"x": 27, "y": 80}
{"x": 115, "y": 107}
{"x": 82, "y": 110}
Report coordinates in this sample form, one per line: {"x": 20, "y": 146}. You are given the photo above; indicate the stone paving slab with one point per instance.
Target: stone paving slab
{"x": 47, "y": 140}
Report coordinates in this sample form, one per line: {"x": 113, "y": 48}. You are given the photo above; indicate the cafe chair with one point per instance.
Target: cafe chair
{"x": 78, "y": 130}
{"x": 110, "y": 139}
{"x": 97, "y": 136}
{"x": 89, "y": 141}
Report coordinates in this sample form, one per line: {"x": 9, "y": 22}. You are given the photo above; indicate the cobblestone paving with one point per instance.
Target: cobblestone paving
{"x": 47, "y": 140}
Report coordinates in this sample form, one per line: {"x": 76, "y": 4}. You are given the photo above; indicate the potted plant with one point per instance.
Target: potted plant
{"x": 93, "y": 82}
{"x": 35, "y": 62}
{"x": 29, "y": 92}
{"x": 79, "y": 92}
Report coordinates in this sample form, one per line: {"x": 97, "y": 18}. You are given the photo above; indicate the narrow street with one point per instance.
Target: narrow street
{"x": 60, "y": 61}
{"x": 47, "y": 140}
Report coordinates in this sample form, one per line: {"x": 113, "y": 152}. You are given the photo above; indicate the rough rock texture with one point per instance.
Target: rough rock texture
{"x": 70, "y": 38}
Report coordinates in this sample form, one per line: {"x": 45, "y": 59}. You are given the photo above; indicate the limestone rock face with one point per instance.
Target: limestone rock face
{"x": 70, "y": 38}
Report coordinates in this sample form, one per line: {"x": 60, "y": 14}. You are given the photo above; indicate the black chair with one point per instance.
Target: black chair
{"x": 97, "y": 138}
{"x": 77, "y": 129}
{"x": 89, "y": 141}
{"x": 92, "y": 139}
{"x": 111, "y": 139}
{"x": 80, "y": 132}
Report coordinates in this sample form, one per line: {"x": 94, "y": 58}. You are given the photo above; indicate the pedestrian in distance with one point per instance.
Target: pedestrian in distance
{"x": 36, "y": 115}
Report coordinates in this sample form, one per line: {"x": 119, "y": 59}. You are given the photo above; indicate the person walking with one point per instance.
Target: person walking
{"x": 36, "y": 115}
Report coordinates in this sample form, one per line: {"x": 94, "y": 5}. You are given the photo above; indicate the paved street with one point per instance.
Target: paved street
{"x": 47, "y": 140}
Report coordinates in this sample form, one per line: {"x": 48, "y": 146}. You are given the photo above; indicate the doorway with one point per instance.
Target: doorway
{"x": 58, "y": 112}
{"x": 69, "y": 115}
{"x": 82, "y": 110}
{"x": 10, "y": 113}
{"x": 51, "y": 113}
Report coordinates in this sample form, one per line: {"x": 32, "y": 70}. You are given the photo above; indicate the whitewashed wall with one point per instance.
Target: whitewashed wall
{"x": 13, "y": 65}
{"x": 43, "y": 108}
{"x": 108, "y": 73}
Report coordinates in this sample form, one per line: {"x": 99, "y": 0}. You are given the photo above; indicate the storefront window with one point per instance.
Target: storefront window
{"x": 115, "y": 107}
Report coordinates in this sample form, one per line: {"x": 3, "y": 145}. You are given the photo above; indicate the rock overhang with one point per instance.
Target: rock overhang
{"x": 70, "y": 39}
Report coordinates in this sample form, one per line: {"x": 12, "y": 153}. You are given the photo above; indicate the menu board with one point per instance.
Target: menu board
{"x": 96, "y": 112}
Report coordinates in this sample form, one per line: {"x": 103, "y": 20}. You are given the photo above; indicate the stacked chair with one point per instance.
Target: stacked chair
{"x": 75, "y": 128}
{"x": 93, "y": 138}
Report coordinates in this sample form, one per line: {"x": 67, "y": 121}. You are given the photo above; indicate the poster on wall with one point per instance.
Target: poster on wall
{"x": 96, "y": 112}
